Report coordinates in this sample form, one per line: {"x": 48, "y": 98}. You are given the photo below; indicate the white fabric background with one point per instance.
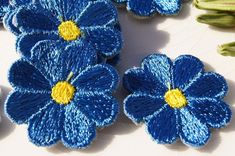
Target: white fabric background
{"x": 170, "y": 35}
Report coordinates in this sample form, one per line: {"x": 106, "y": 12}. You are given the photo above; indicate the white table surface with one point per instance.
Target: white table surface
{"x": 170, "y": 35}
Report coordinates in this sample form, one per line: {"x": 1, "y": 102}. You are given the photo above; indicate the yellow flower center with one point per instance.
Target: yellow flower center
{"x": 69, "y": 31}
{"x": 175, "y": 98}
{"x": 63, "y": 92}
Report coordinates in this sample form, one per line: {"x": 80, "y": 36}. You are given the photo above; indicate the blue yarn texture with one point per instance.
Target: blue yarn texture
{"x": 204, "y": 92}
{"x": 75, "y": 123}
{"x": 39, "y": 21}
{"x": 149, "y": 7}
{"x": 4, "y": 8}
{"x": 8, "y": 19}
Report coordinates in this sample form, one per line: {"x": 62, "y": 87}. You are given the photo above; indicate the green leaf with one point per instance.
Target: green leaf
{"x": 227, "y": 49}
{"x": 218, "y": 19}
{"x": 219, "y": 5}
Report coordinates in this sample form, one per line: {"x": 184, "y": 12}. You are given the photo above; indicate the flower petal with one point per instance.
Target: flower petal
{"x": 140, "y": 7}
{"x": 46, "y": 57}
{"x": 107, "y": 41}
{"x": 186, "y": 68}
{"x": 168, "y": 7}
{"x": 57, "y": 62}
{"x": 163, "y": 126}
{"x": 46, "y": 126}
{"x": 160, "y": 67}
{"x": 209, "y": 85}
{"x": 192, "y": 131}
{"x": 25, "y": 42}
{"x": 215, "y": 113}
{"x": 9, "y": 23}
{"x": 56, "y": 8}
{"x": 79, "y": 130}
{"x": 100, "y": 108}
{"x": 18, "y": 3}
{"x": 20, "y": 106}
{"x": 137, "y": 80}
{"x": 76, "y": 57}
{"x": 4, "y": 3}
{"x": 26, "y": 77}
{"x": 64, "y": 10}
{"x": 72, "y": 9}
{"x": 4, "y": 8}
{"x": 100, "y": 78}
{"x": 120, "y": 1}
{"x": 139, "y": 106}
{"x": 32, "y": 18}
{"x": 98, "y": 13}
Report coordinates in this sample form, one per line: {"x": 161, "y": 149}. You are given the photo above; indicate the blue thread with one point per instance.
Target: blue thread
{"x": 4, "y": 8}
{"x": 39, "y": 21}
{"x": 79, "y": 130}
{"x": 192, "y": 131}
{"x": 149, "y": 7}
{"x": 8, "y": 20}
{"x": 162, "y": 125}
{"x": 204, "y": 92}
{"x": 137, "y": 102}
{"x": 25, "y": 42}
{"x": 182, "y": 66}
{"x": 92, "y": 106}
{"x": 114, "y": 60}
{"x": 45, "y": 127}
{"x": 18, "y": 3}
{"x": 209, "y": 85}
{"x": 205, "y": 107}
{"x": 9, "y": 24}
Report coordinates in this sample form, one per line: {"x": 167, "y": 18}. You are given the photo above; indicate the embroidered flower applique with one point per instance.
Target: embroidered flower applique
{"x": 176, "y": 99}
{"x": 150, "y": 7}
{"x": 62, "y": 94}
{"x": 4, "y": 7}
{"x": 94, "y": 23}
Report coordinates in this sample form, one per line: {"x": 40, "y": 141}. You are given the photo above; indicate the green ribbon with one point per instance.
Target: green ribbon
{"x": 221, "y": 14}
{"x": 218, "y": 19}
{"x": 217, "y": 5}
{"x": 227, "y": 49}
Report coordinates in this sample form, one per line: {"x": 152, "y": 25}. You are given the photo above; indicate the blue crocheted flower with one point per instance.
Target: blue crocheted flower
{"x": 3, "y": 8}
{"x": 176, "y": 99}
{"x": 61, "y": 95}
{"x": 150, "y": 7}
{"x": 93, "y": 23}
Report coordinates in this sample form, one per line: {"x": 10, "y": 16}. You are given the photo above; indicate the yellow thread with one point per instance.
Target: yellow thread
{"x": 62, "y": 92}
{"x": 175, "y": 98}
{"x": 69, "y": 31}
